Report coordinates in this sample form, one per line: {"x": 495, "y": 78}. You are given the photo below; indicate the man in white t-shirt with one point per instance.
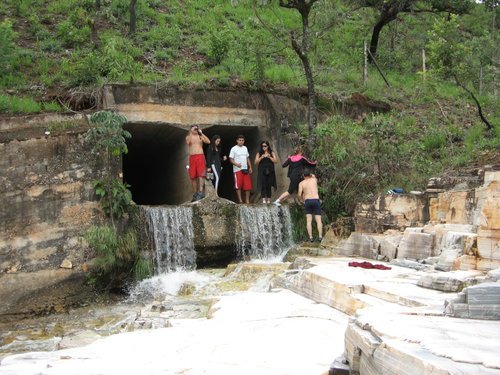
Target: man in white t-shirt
{"x": 242, "y": 168}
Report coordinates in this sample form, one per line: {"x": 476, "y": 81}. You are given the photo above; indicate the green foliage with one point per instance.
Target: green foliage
{"x": 8, "y": 50}
{"x": 114, "y": 196}
{"x": 71, "y": 35}
{"x": 218, "y": 46}
{"x": 447, "y": 53}
{"x": 143, "y": 268}
{"x": 298, "y": 218}
{"x": 107, "y": 133}
{"x": 26, "y": 105}
{"x": 116, "y": 257}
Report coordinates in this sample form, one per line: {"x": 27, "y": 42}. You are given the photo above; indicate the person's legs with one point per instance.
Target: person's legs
{"x": 197, "y": 173}
{"x": 309, "y": 225}
{"x": 201, "y": 184}
{"x": 292, "y": 188}
{"x": 319, "y": 225}
{"x": 246, "y": 186}
{"x": 238, "y": 194}
{"x": 282, "y": 198}
{"x": 265, "y": 190}
{"x": 216, "y": 179}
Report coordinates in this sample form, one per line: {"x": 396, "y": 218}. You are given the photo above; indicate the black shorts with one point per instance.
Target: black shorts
{"x": 294, "y": 184}
{"x": 312, "y": 206}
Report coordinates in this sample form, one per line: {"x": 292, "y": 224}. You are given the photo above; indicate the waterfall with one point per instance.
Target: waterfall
{"x": 452, "y": 246}
{"x": 171, "y": 229}
{"x": 453, "y": 240}
{"x": 265, "y": 232}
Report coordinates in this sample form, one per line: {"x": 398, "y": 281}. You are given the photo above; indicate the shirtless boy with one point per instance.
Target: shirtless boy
{"x": 197, "y": 168}
{"x": 308, "y": 193}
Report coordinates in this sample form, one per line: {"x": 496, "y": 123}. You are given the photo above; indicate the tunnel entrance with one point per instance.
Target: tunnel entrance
{"x": 155, "y": 165}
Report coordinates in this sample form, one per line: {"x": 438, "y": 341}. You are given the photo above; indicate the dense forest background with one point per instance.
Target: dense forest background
{"x": 56, "y": 55}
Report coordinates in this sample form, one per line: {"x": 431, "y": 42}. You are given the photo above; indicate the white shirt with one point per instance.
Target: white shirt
{"x": 239, "y": 154}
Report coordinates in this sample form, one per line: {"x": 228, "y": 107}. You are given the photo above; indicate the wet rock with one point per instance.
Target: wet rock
{"x": 494, "y": 275}
{"x": 476, "y": 302}
{"x": 360, "y": 244}
{"x": 340, "y": 366}
{"x": 453, "y": 281}
{"x": 389, "y": 244}
{"x": 314, "y": 251}
{"x": 66, "y": 264}
{"x": 415, "y": 245}
{"x": 51, "y": 344}
{"x": 186, "y": 289}
{"x": 407, "y": 263}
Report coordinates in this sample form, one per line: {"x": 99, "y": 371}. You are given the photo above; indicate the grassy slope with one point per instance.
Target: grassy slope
{"x": 215, "y": 43}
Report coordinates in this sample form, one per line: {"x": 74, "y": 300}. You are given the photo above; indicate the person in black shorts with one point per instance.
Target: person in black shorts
{"x": 308, "y": 193}
{"x": 295, "y": 164}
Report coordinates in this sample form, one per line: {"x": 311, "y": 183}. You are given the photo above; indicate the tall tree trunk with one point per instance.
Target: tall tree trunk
{"x": 133, "y": 17}
{"x": 94, "y": 35}
{"x": 302, "y": 49}
{"x": 376, "y": 34}
{"x": 478, "y": 105}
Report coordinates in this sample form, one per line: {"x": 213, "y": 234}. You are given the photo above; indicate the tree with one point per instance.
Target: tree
{"x": 450, "y": 58}
{"x": 133, "y": 17}
{"x": 389, "y": 10}
{"x": 301, "y": 47}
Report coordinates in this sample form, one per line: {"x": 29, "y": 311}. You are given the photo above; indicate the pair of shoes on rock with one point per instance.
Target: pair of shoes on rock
{"x": 197, "y": 196}
{"x": 318, "y": 239}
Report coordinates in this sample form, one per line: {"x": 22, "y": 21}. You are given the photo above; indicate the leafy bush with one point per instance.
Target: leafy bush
{"x": 116, "y": 257}
{"x": 113, "y": 195}
{"x": 107, "y": 135}
{"x": 218, "y": 45}
{"x": 71, "y": 35}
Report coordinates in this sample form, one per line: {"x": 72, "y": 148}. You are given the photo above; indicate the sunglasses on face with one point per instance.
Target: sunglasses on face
{"x": 264, "y": 146}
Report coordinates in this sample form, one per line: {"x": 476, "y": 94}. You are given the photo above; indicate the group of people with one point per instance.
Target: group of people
{"x": 300, "y": 173}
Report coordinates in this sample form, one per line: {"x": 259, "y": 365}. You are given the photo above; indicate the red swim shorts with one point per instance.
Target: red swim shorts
{"x": 197, "y": 166}
{"x": 242, "y": 181}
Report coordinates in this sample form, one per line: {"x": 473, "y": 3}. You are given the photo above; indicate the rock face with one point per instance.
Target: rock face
{"x": 487, "y": 219}
{"x": 47, "y": 199}
{"x": 394, "y": 211}
{"x": 476, "y": 302}
{"x": 214, "y": 227}
{"x": 457, "y": 229}
{"x": 46, "y": 202}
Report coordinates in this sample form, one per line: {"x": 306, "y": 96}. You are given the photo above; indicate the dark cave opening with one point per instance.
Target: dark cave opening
{"x": 155, "y": 165}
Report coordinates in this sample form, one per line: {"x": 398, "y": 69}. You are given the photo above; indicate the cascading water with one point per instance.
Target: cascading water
{"x": 452, "y": 246}
{"x": 265, "y": 232}
{"x": 172, "y": 231}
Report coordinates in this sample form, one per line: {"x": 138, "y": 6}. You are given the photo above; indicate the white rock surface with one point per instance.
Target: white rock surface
{"x": 250, "y": 333}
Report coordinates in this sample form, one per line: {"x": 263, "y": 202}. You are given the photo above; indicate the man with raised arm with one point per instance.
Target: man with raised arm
{"x": 197, "y": 169}
{"x": 308, "y": 193}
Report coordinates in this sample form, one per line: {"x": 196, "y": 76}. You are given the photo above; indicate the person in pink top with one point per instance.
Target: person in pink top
{"x": 295, "y": 164}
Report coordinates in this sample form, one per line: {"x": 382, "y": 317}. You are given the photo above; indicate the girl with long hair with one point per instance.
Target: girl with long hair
{"x": 214, "y": 160}
{"x": 266, "y": 176}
